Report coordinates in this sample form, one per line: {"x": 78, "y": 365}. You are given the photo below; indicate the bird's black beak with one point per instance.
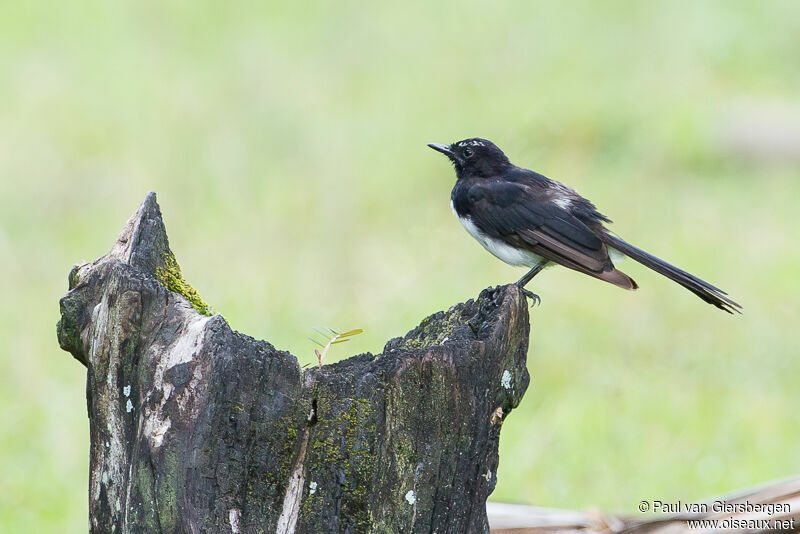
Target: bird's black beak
{"x": 444, "y": 149}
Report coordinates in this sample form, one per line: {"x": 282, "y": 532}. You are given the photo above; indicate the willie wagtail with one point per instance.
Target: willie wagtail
{"x": 527, "y": 219}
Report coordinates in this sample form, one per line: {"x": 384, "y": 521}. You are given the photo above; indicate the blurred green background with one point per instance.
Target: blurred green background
{"x": 286, "y": 143}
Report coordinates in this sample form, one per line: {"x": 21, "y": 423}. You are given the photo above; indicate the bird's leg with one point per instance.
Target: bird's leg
{"x": 527, "y": 278}
{"x": 522, "y": 282}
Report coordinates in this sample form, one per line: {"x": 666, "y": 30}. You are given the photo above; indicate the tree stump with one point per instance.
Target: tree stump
{"x": 198, "y": 428}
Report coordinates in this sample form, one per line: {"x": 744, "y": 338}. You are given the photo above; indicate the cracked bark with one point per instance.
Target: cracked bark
{"x": 198, "y": 428}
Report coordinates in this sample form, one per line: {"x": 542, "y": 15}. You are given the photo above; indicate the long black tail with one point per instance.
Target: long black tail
{"x": 704, "y": 290}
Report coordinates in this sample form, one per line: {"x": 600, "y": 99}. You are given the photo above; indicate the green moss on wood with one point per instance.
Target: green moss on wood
{"x": 434, "y": 329}
{"x": 146, "y": 513}
{"x": 343, "y": 441}
{"x": 166, "y": 490}
{"x": 170, "y": 275}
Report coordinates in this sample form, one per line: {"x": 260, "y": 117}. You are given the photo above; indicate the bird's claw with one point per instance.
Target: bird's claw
{"x": 535, "y": 300}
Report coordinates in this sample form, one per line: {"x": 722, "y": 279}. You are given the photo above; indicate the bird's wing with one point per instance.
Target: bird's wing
{"x": 523, "y": 216}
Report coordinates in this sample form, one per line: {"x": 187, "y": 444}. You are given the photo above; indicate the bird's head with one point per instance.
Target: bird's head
{"x": 474, "y": 157}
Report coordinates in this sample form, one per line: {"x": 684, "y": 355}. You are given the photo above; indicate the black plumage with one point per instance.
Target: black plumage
{"x": 525, "y": 218}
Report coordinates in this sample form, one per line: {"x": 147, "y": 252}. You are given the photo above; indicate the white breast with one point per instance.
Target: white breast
{"x": 498, "y": 248}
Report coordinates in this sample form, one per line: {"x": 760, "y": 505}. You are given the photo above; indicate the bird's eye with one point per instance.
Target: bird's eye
{"x": 468, "y": 152}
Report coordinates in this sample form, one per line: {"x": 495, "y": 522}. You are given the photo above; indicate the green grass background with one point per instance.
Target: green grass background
{"x": 287, "y": 146}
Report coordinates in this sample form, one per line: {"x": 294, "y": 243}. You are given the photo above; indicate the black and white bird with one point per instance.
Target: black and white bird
{"x": 527, "y": 219}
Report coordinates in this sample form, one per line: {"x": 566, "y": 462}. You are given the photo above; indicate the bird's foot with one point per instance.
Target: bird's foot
{"x": 531, "y": 295}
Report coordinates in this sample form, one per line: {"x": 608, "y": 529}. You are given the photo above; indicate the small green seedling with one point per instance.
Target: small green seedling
{"x": 333, "y": 337}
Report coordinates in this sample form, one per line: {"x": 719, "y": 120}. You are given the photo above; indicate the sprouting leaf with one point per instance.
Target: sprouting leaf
{"x": 316, "y": 342}
{"x": 333, "y": 337}
{"x": 353, "y": 332}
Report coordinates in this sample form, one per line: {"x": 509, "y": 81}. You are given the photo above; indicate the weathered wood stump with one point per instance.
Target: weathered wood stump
{"x": 198, "y": 428}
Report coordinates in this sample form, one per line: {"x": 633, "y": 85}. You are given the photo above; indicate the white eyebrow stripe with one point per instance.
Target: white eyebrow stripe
{"x": 471, "y": 143}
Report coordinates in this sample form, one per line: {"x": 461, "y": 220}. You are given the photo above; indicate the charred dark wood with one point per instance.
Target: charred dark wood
{"x": 198, "y": 428}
